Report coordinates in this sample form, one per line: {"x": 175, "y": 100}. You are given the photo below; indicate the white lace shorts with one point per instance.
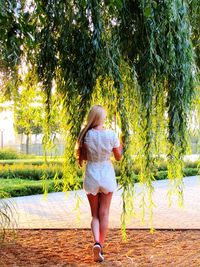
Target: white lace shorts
{"x": 99, "y": 177}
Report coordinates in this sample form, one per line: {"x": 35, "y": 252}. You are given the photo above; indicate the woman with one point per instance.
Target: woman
{"x": 96, "y": 145}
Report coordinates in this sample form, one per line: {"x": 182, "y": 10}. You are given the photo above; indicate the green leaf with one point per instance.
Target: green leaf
{"x": 147, "y": 11}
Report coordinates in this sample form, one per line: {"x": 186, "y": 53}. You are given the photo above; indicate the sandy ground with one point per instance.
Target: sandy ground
{"x": 74, "y": 248}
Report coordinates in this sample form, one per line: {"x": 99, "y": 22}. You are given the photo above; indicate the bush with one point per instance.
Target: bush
{"x": 17, "y": 187}
{"x": 161, "y": 175}
{"x": 8, "y": 154}
{"x": 32, "y": 172}
{"x": 27, "y": 190}
{"x": 191, "y": 171}
{"x": 35, "y": 172}
{"x": 27, "y": 161}
{"x": 29, "y": 171}
{"x": 24, "y": 187}
{"x": 162, "y": 166}
{"x": 12, "y": 154}
{"x": 189, "y": 164}
{"x": 3, "y": 194}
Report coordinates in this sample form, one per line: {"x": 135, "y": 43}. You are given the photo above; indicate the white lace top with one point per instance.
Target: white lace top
{"x": 100, "y": 144}
{"x": 99, "y": 174}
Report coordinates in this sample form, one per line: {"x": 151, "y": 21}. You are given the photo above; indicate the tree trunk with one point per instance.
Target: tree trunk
{"x": 27, "y": 144}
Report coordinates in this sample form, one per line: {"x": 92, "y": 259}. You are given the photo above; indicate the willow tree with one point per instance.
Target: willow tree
{"x": 135, "y": 57}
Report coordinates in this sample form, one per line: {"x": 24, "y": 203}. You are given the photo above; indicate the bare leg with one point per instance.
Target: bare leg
{"x": 94, "y": 205}
{"x": 104, "y": 207}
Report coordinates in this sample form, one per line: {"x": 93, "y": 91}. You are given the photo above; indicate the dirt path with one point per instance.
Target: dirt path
{"x": 32, "y": 248}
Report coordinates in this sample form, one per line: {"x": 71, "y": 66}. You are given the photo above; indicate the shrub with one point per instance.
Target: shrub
{"x": 26, "y": 161}
{"x": 12, "y": 154}
{"x": 26, "y": 190}
{"x": 8, "y": 154}
{"x": 161, "y": 175}
{"x": 191, "y": 171}
{"x": 25, "y": 187}
{"x": 21, "y": 188}
{"x": 31, "y": 172}
{"x": 35, "y": 172}
{"x": 189, "y": 164}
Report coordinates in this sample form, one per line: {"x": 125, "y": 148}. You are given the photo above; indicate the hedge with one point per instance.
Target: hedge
{"x": 33, "y": 172}
{"x": 161, "y": 175}
{"x": 37, "y": 162}
{"x": 31, "y": 187}
{"x": 21, "y": 188}
{"x": 8, "y": 154}
{"x": 11, "y": 154}
{"x": 27, "y": 190}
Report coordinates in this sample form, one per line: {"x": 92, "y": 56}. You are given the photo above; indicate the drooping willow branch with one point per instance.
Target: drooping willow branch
{"x": 135, "y": 57}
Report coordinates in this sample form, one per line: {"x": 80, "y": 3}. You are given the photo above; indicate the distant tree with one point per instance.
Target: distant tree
{"x": 29, "y": 109}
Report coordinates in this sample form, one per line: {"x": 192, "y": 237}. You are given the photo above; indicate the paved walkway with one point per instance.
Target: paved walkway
{"x": 58, "y": 210}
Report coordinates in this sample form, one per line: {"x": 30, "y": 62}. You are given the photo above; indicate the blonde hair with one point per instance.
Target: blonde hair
{"x": 95, "y": 117}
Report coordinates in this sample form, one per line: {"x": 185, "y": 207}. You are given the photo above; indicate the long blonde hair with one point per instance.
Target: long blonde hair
{"x": 95, "y": 117}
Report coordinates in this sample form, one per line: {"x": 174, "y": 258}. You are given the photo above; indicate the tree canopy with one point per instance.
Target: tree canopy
{"x": 139, "y": 58}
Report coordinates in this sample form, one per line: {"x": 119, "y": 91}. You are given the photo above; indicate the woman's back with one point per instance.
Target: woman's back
{"x": 99, "y": 144}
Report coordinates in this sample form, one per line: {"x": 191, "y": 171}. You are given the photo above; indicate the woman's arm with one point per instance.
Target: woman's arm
{"x": 117, "y": 151}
